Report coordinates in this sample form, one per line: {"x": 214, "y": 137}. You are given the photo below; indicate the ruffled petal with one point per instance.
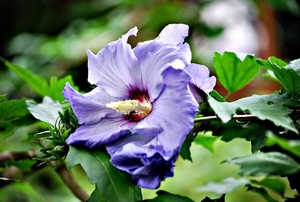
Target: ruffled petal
{"x": 146, "y": 166}
{"x": 154, "y": 57}
{"x": 201, "y": 77}
{"x": 173, "y": 34}
{"x": 102, "y": 133}
{"x": 86, "y": 110}
{"x": 112, "y": 67}
{"x": 172, "y": 115}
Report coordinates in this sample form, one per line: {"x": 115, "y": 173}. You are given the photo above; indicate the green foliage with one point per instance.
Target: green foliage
{"x": 271, "y": 163}
{"x": 13, "y": 114}
{"x": 271, "y": 183}
{"x": 163, "y": 196}
{"x": 228, "y": 185}
{"x": 206, "y": 141}
{"x": 235, "y": 71}
{"x": 292, "y": 146}
{"x": 287, "y": 75}
{"x": 221, "y": 199}
{"x": 53, "y": 142}
{"x": 262, "y": 192}
{"x": 185, "y": 152}
{"x": 260, "y": 106}
{"x": 24, "y": 164}
{"x": 113, "y": 184}
{"x": 39, "y": 84}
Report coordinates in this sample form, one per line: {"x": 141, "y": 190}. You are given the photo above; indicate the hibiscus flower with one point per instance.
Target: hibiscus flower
{"x": 142, "y": 107}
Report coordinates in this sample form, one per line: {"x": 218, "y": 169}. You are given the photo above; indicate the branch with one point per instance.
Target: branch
{"x": 67, "y": 178}
{"x": 11, "y": 173}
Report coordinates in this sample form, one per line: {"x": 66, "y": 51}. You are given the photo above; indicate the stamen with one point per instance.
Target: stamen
{"x": 134, "y": 107}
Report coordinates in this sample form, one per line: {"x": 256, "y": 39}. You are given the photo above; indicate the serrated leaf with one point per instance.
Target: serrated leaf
{"x": 292, "y": 146}
{"x": 287, "y": 75}
{"x": 47, "y": 111}
{"x": 114, "y": 185}
{"x": 228, "y": 185}
{"x": 37, "y": 83}
{"x": 163, "y": 196}
{"x": 206, "y": 141}
{"x": 185, "y": 152}
{"x": 234, "y": 73}
{"x": 274, "y": 184}
{"x": 271, "y": 163}
{"x": 261, "y": 106}
{"x": 56, "y": 87}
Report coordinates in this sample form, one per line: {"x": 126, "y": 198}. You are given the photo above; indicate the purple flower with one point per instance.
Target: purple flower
{"x": 143, "y": 105}
{"x": 146, "y": 165}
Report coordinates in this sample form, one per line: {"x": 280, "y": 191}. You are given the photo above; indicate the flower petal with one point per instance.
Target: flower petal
{"x": 172, "y": 115}
{"x": 154, "y": 57}
{"x": 112, "y": 67}
{"x": 146, "y": 166}
{"x": 200, "y": 77}
{"x": 173, "y": 34}
{"x": 102, "y": 133}
{"x": 86, "y": 110}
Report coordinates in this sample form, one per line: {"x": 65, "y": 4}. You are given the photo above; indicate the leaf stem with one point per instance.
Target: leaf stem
{"x": 228, "y": 95}
{"x": 214, "y": 118}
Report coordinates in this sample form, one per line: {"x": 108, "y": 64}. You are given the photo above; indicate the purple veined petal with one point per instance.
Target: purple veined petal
{"x": 100, "y": 96}
{"x": 173, "y": 34}
{"x": 102, "y": 133}
{"x": 86, "y": 110}
{"x": 200, "y": 77}
{"x": 172, "y": 115}
{"x": 146, "y": 165}
{"x": 112, "y": 67}
{"x": 154, "y": 57}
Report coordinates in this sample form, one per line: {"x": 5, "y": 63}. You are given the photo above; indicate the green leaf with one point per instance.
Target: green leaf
{"x": 12, "y": 109}
{"x": 235, "y": 71}
{"x": 37, "y": 83}
{"x": 287, "y": 75}
{"x": 47, "y": 111}
{"x": 221, "y": 199}
{"x": 206, "y": 141}
{"x": 228, "y": 185}
{"x": 217, "y": 96}
{"x": 274, "y": 184}
{"x": 163, "y": 196}
{"x": 96, "y": 196}
{"x": 24, "y": 164}
{"x": 57, "y": 85}
{"x": 40, "y": 85}
{"x": 185, "y": 152}
{"x": 271, "y": 163}
{"x": 292, "y": 146}
{"x": 262, "y": 192}
{"x": 114, "y": 185}
{"x": 261, "y": 106}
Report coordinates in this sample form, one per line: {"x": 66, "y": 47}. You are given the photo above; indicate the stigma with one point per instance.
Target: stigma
{"x": 134, "y": 109}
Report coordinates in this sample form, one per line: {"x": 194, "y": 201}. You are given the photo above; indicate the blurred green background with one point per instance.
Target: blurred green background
{"x": 50, "y": 38}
